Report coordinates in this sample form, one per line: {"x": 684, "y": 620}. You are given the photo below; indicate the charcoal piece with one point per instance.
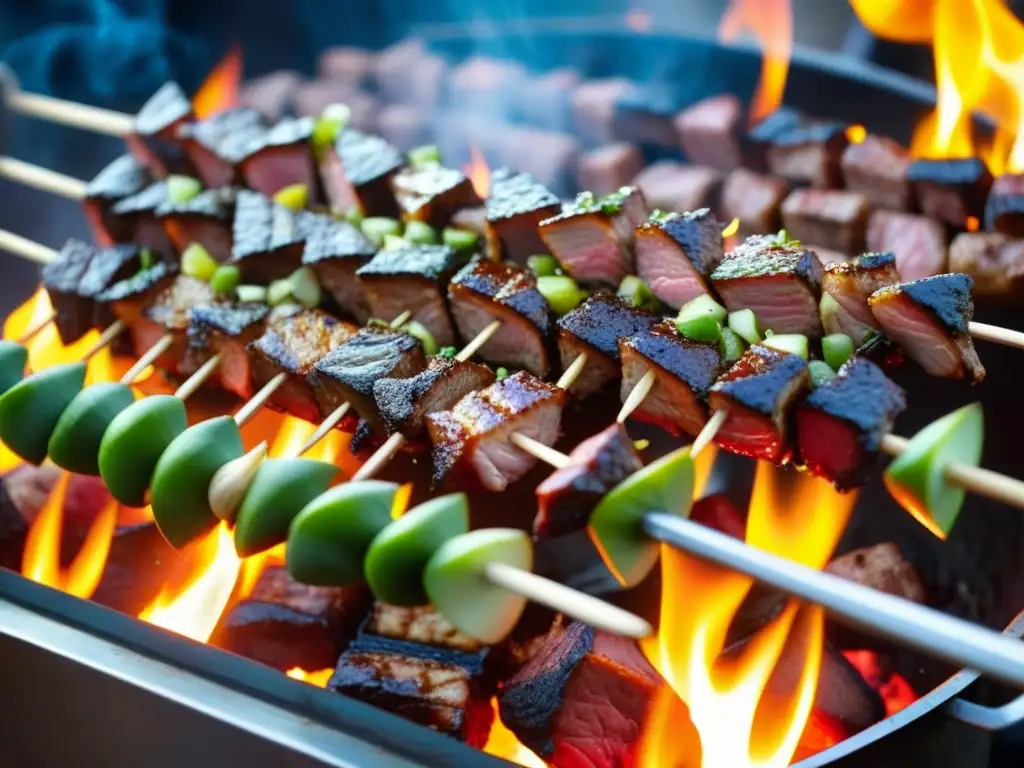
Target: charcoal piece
{"x": 609, "y": 167}
{"x": 334, "y": 252}
{"x": 646, "y": 118}
{"x": 882, "y": 567}
{"x": 516, "y": 205}
{"x": 268, "y": 239}
{"x": 877, "y": 168}
{"x": 154, "y": 141}
{"x": 139, "y": 564}
{"x": 765, "y": 133}
{"x": 918, "y": 242}
{"x": 676, "y": 253}
{"x": 670, "y": 186}
{"x": 433, "y": 194}
{"x": 357, "y": 171}
{"x": 593, "y": 104}
{"x": 709, "y": 132}
{"x": 271, "y": 95}
{"x": 809, "y": 154}
{"x": 218, "y": 144}
{"x": 994, "y": 261}
{"x": 206, "y": 219}
{"x": 123, "y": 177}
{"x": 1004, "y": 209}
{"x": 138, "y": 215}
{"x": 951, "y": 191}
{"x": 753, "y": 199}
{"x": 285, "y": 624}
{"x": 61, "y": 277}
{"x": 834, "y": 218}
{"x": 282, "y": 156}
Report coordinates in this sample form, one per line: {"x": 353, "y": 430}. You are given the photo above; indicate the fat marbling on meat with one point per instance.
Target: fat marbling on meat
{"x": 677, "y": 252}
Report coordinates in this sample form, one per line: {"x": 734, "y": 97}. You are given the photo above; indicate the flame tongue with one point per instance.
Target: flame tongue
{"x": 219, "y": 90}
{"x": 770, "y": 22}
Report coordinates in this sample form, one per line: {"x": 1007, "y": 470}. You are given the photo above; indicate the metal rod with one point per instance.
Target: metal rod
{"x": 915, "y": 626}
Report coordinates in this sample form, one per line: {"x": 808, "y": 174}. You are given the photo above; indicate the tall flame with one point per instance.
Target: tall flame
{"x": 740, "y": 719}
{"x": 770, "y": 22}
{"x": 478, "y": 172}
{"x": 219, "y": 90}
{"x": 501, "y": 742}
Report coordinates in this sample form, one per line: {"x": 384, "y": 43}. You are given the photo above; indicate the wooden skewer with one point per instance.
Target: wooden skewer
{"x": 88, "y": 118}
{"x": 148, "y": 358}
{"x": 569, "y": 376}
{"x": 43, "y": 179}
{"x": 36, "y": 329}
{"x": 639, "y": 392}
{"x": 257, "y": 401}
{"x": 197, "y": 379}
{"x": 996, "y": 334}
{"x": 707, "y": 434}
{"x": 27, "y": 249}
{"x": 112, "y": 331}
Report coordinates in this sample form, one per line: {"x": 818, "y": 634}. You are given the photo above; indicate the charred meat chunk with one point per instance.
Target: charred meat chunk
{"x": 414, "y": 278}
{"x": 581, "y": 699}
{"x": 809, "y": 154}
{"x": 753, "y": 199}
{"x": 685, "y": 371}
{"x": 951, "y": 190}
{"x": 154, "y": 142}
{"x": 608, "y": 168}
{"x": 347, "y": 373}
{"x": 840, "y": 425}
{"x": 61, "y": 278}
{"x": 139, "y": 218}
{"x": 226, "y": 330}
{"x": 516, "y": 206}
{"x": 918, "y": 242}
{"x": 285, "y": 624}
{"x": 593, "y": 237}
{"x": 171, "y": 312}
{"x": 995, "y": 263}
{"x": 850, "y": 283}
{"x": 334, "y": 252}
{"x": 217, "y": 145}
{"x": 1004, "y": 209}
{"x": 877, "y": 169}
{"x": 758, "y": 393}
{"x": 833, "y": 218}
{"x": 433, "y": 194}
{"x": 676, "y": 252}
{"x": 421, "y": 625}
{"x": 484, "y": 291}
{"x": 931, "y": 319}
{"x": 765, "y": 133}
{"x": 268, "y": 238}
{"x": 594, "y": 329}
{"x": 709, "y": 132}
{"x": 569, "y": 494}
{"x": 205, "y": 219}
{"x": 776, "y": 279}
{"x": 128, "y": 298}
{"x": 673, "y": 186}
{"x": 107, "y": 267}
{"x": 122, "y": 178}
{"x": 472, "y": 442}
{"x": 282, "y": 156}
{"x": 357, "y": 173}
{"x": 882, "y": 567}
{"x": 403, "y": 404}
{"x": 292, "y": 344}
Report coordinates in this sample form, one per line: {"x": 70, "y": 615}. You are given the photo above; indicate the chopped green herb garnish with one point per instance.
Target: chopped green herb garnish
{"x": 146, "y": 258}
{"x": 642, "y": 445}
{"x": 783, "y": 240}
{"x": 501, "y": 374}
{"x": 425, "y": 156}
{"x": 611, "y": 204}
{"x": 448, "y": 352}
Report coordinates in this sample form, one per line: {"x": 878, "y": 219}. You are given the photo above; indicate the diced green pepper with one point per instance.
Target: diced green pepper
{"x": 226, "y": 278}
{"x": 146, "y": 258}
{"x": 181, "y": 480}
{"x": 665, "y": 485}
{"x": 455, "y": 581}
{"x": 294, "y": 197}
{"x": 448, "y": 352}
{"x": 701, "y": 319}
{"x": 917, "y": 477}
{"x": 278, "y": 493}
{"x": 134, "y": 443}
{"x": 543, "y": 265}
{"x": 353, "y": 216}
{"x": 279, "y": 291}
{"x": 75, "y": 442}
{"x": 392, "y": 242}
{"x": 425, "y": 337}
{"x": 836, "y": 348}
{"x": 426, "y": 155}
{"x": 562, "y": 293}
{"x": 635, "y": 291}
{"x": 744, "y": 324}
{"x": 398, "y": 555}
{"x": 328, "y": 539}
{"x": 420, "y": 233}
{"x": 821, "y": 372}
{"x": 459, "y": 239}
{"x": 251, "y": 293}
{"x": 501, "y": 373}
{"x": 181, "y": 189}
{"x": 793, "y": 343}
{"x": 13, "y": 358}
{"x": 329, "y": 125}
{"x": 197, "y": 262}
{"x": 30, "y": 410}
{"x": 305, "y": 287}
{"x": 376, "y": 228}
{"x": 731, "y": 345}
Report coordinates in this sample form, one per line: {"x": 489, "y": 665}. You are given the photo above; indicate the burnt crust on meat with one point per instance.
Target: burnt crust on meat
{"x": 268, "y": 239}
{"x": 337, "y": 240}
{"x": 228, "y": 134}
{"x": 759, "y": 377}
{"x": 1004, "y": 209}
{"x": 697, "y": 233}
{"x": 62, "y": 278}
{"x": 433, "y": 194}
{"x": 228, "y": 320}
{"x": 951, "y": 189}
{"x": 602, "y": 320}
{"x": 141, "y": 283}
{"x": 145, "y": 201}
{"x": 365, "y": 157}
{"x": 163, "y": 109}
{"x": 694, "y": 363}
{"x": 212, "y": 204}
{"x": 513, "y": 194}
{"x": 766, "y": 255}
{"x": 865, "y": 263}
{"x": 506, "y": 284}
{"x": 946, "y": 297}
{"x": 122, "y": 177}
{"x": 436, "y": 263}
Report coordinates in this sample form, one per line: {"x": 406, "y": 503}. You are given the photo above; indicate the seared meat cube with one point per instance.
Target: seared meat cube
{"x": 685, "y": 371}
{"x": 753, "y": 199}
{"x": 877, "y": 169}
{"x": 205, "y": 219}
{"x": 484, "y": 291}
{"x": 403, "y": 404}
{"x": 994, "y": 262}
{"x": 763, "y": 136}
{"x": 348, "y": 65}
{"x": 593, "y": 104}
{"x": 951, "y": 190}
{"x": 472, "y": 441}
{"x": 757, "y": 393}
{"x": 404, "y": 126}
{"x": 776, "y": 280}
{"x": 285, "y": 624}
{"x": 516, "y": 205}
{"x": 433, "y": 194}
{"x": 569, "y": 494}
{"x": 154, "y": 141}
{"x": 931, "y": 318}
{"x": 840, "y": 425}
{"x": 61, "y": 278}
{"x": 833, "y": 218}
{"x": 675, "y": 253}
{"x": 334, "y": 252}
{"x": 292, "y": 345}
{"x": 171, "y": 312}
{"x": 346, "y": 374}
{"x": 644, "y": 117}
{"x": 918, "y": 242}
{"x": 122, "y": 178}
{"x": 550, "y": 95}
{"x": 271, "y": 95}
{"x": 218, "y": 144}
{"x": 594, "y": 329}
{"x": 268, "y": 238}
{"x": 282, "y": 156}
{"x": 593, "y": 237}
{"x": 414, "y": 278}
{"x": 809, "y": 154}
{"x": 882, "y": 567}
{"x": 420, "y": 624}
{"x": 314, "y": 96}
{"x": 582, "y": 698}
{"x": 357, "y": 172}
{"x": 108, "y": 267}
{"x": 226, "y": 330}
{"x": 709, "y": 132}
{"x": 850, "y": 283}
{"x": 550, "y": 157}
{"x": 606, "y": 169}
{"x": 485, "y": 85}
{"x": 670, "y": 186}
{"x": 1004, "y": 209}
{"x": 128, "y": 298}
{"x": 138, "y": 215}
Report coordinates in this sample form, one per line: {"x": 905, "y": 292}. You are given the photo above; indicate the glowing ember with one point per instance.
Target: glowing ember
{"x": 478, "y": 172}
{"x": 894, "y": 689}
{"x": 318, "y": 678}
{"x": 501, "y": 742}
{"x": 770, "y": 22}
{"x": 740, "y": 719}
{"x": 220, "y": 89}
{"x": 855, "y": 134}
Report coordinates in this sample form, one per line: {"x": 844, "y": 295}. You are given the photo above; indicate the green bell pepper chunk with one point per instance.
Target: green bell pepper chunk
{"x": 701, "y": 319}
{"x": 730, "y": 345}
{"x": 13, "y": 359}
{"x": 459, "y": 239}
{"x": 542, "y": 264}
{"x": 30, "y": 410}
{"x": 420, "y": 232}
{"x": 75, "y": 442}
{"x": 821, "y": 372}
{"x": 836, "y": 349}
{"x": 562, "y": 293}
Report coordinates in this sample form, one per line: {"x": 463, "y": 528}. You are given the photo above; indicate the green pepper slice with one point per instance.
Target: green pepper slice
{"x": 398, "y": 555}
{"x": 181, "y": 480}
{"x": 665, "y": 485}
{"x": 75, "y": 442}
{"x": 13, "y": 358}
{"x": 328, "y": 539}
{"x": 280, "y": 490}
{"x": 30, "y": 410}
{"x": 133, "y": 443}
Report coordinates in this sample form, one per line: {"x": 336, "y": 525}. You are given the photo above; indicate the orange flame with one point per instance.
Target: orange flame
{"x": 478, "y": 172}
{"x": 501, "y": 742}
{"x": 740, "y": 719}
{"x": 219, "y": 90}
{"x": 318, "y": 678}
{"x": 770, "y": 22}
{"x": 895, "y": 691}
